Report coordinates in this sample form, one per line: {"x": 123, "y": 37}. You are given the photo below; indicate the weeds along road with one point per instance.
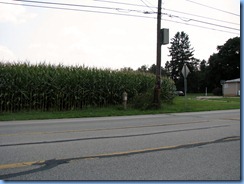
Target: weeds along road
{"x": 184, "y": 146}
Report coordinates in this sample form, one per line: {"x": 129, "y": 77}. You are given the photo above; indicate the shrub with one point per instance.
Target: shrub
{"x": 167, "y": 90}
{"x": 217, "y": 91}
{"x": 144, "y": 101}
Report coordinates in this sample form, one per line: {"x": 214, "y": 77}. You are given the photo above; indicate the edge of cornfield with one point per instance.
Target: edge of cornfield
{"x": 179, "y": 105}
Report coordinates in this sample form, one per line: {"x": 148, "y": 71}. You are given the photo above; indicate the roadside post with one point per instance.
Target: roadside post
{"x": 185, "y": 71}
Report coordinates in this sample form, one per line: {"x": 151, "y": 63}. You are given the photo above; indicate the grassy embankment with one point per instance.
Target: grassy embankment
{"x": 192, "y": 104}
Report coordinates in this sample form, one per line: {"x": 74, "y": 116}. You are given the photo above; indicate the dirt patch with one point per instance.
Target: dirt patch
{"x": 208, "y": 97}
{"x": 211, "y": 98}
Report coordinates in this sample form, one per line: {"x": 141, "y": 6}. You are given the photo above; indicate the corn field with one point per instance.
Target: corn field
{"x": 47, "y": 87}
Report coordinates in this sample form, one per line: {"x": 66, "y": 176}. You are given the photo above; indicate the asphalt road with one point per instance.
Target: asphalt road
{"x": 183, "y": 146}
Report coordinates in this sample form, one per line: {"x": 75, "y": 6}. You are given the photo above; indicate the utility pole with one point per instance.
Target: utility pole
{"x": 158, "y": 68}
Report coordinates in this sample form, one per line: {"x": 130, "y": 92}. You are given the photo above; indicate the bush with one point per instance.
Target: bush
{"x": 217, "y": 91}
{"x": 144, "y": 101}
{"x": 167, "y": 90}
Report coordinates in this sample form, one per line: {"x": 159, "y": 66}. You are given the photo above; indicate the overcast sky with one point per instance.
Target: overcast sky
{"x": 112, "y": 41}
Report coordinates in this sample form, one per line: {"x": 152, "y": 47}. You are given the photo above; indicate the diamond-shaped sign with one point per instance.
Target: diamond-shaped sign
{"x": 185, "y": 71}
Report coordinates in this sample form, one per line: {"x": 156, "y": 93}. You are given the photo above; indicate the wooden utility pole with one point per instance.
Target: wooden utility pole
{"x": 158, "y": 69}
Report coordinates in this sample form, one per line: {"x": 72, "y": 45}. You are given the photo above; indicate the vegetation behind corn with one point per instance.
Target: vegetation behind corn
{"x": 48, "y": 87}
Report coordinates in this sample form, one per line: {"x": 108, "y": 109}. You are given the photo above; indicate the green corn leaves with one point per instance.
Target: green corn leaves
{"x": 47, "y": 87}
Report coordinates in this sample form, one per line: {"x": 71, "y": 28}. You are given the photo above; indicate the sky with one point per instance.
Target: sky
{"x": 80, "y": 38}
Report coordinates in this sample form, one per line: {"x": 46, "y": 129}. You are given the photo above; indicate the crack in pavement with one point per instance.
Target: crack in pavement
{"x": 49, "y": 164}
{"x": 104, "y": 129}
{"x": 110, "y": 137}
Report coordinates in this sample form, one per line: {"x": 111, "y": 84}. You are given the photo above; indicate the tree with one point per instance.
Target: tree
{"x": 143, "y": 68}
{"x": 181, "y": 52}
{"x": 203, "y": 76}
{"x": 229, "y": 54}
{"x": 225, "y": 65}
{"x": 127, "y": 69}
{"x": 151, "y": 69}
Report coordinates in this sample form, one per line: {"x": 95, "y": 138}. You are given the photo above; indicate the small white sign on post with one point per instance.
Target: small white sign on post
{"x": 185, "y": 71}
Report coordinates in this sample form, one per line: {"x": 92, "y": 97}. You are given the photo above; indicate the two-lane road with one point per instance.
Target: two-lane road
{"x": 184, "y": 146}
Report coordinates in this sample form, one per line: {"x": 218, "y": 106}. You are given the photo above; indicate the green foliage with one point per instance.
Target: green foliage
{"x": 144, "y": 101}
{"x": 217, "y": 91}
{"x": 167, "y": 90}
{"x": 180, "y": 52}
{"x": 225, "y": 65}
{"x": 193, "y": 105}
{"x": 47, "y": 87}
{"x": 152, "y": 69}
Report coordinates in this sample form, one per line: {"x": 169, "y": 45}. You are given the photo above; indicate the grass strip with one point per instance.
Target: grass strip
{"x": 180, "y": 104}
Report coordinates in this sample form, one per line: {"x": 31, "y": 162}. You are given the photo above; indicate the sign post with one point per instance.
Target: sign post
{"x": 185, "y": 71}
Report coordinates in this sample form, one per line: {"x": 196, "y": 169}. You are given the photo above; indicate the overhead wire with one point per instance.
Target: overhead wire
{"x": 122, "y": 10}
{"x": 209, "y": 28}
{"x": 212, "y": 8}
{"x": 200, "y": 16}
{"x": 80, "y": 5}
{"x": 189, "y": 19}
{"x": 151, "y": 7}
{"x": 129, "y": 4}
{"x": 146, "y": 5}
{"x": 150, "y": 4}
{"x": 72, "y": 9}
{"x": 118, "y": 9}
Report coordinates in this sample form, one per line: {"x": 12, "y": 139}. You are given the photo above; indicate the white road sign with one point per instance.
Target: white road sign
{"x": 185, "y": 71}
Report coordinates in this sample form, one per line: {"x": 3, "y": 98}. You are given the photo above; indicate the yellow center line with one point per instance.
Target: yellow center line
{"x": 122, "y": 153}
{"x": 22, "y": 164}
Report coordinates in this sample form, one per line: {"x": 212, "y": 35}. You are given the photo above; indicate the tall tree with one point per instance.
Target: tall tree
{"x": 225, "y": 64}
{"x": 203, "y": 76}
{"x": 143, "y": 68}
{"x": 181, "y": 52}
{"x": 151, "y": 69}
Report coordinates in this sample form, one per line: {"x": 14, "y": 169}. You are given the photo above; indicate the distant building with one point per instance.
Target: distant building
{"x": 231, "y": 87}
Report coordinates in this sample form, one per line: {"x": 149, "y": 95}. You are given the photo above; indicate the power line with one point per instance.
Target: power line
{"x": 120, "y": 9}
{"x": 107, "y": 1}
{"x": 150, "y": 4}
{"x": 201, "y": 16}
{"x": 214, "y": 29}
{"x": 129, "y": 4}
{"x": 79, "y": 5}
{"x": 189, "y": 19}
{"x": 72, "y": 9}
{"x": 111, "y": 13}
{"x": 213, "y": 8}
{"x": 146, "y": 5}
